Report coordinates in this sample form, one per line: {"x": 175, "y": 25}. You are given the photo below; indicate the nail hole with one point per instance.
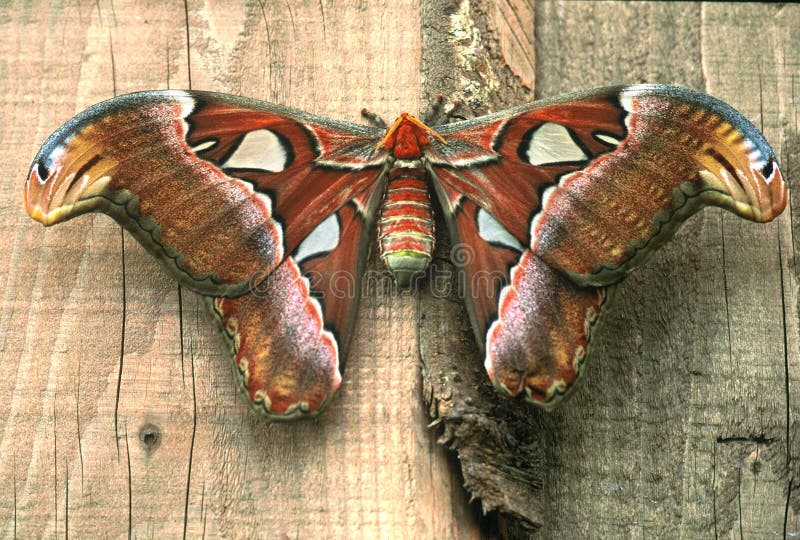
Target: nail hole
{"x": 150, "y": 436}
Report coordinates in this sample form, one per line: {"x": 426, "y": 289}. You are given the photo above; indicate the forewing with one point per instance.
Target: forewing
{"x": 219, "y": 188}
{"x": 593, "y": 182}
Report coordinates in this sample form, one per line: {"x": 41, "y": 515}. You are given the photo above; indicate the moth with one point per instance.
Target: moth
{"x": 270, "y": 213}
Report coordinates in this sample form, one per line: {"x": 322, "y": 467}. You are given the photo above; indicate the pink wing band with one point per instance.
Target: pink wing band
{"x": 286, "y": 362}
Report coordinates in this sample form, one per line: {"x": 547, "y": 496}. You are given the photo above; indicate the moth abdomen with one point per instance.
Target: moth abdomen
{"x": 405, "y": 227}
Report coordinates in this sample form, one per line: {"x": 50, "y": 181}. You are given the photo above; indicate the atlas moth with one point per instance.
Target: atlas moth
{"x": 270, "y": 213}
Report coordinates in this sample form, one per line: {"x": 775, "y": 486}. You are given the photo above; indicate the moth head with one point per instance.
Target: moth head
{"x": 407, "y": 136}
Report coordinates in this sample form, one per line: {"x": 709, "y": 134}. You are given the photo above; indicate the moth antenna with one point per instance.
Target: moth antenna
{"x": 373, "y": 118}
{"x": 405, "y": 117}
{"x": 439, "y": 114}
{"x": 434, "y": 111}
{"x": 427, "y": 128}
{"x": 389, "y": 132}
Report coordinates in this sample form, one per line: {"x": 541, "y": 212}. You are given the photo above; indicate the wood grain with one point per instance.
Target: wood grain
{"x": 119, "y": 414}
{"x": 687, "y": 421}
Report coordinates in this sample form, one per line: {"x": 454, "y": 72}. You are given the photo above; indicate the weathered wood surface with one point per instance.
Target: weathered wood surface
{"x": 689, "y": 418}
{"x": 687, "y": 424}
{"x": 118, "y": 412}
{"x": 100, "y": 347}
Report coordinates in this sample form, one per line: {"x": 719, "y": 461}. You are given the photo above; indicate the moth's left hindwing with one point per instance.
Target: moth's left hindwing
{"x": 566, "y": 196}
{"x": 265, "y": 208}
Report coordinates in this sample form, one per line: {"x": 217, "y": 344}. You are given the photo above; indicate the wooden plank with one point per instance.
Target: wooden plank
{"x": 761, "y": 77}
{"x": 689, "y": 415}
{"x": 119, "y": 412}
{"x": 691, "y": 389}
{"x": 681, "y": 428}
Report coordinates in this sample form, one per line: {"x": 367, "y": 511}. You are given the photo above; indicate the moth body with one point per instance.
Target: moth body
{"x": 405, "y": 227}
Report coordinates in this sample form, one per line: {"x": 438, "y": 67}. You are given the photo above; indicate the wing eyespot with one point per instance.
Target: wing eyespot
{"x": 204, "y": 146}
{"x": 261, "y": 150}
{"x": 493, "y": 232}
{"x": 42, "y": 172}
{"x": 607, "y": 139}
{"x": 321, "y": 241}
{"x": 769, "y": 169}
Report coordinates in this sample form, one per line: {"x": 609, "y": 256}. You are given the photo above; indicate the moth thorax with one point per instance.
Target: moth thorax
{"x": 405, "y": 227}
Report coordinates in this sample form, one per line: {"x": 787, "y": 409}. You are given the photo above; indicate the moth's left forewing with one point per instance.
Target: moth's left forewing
{"x": 506, "y": 161}
{"x": 681, "y": 151}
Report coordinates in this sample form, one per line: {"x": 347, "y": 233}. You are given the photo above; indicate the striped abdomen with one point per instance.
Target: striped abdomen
{"x": 405, "y": 227}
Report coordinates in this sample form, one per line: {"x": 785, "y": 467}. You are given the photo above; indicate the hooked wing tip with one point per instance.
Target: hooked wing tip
{"x": 35, "y": 195}
{"x": 758, "y": 192}
{"x": 56, "y": 197}
{"x": 67, "y": 175}
{"x": 778, "y": 191}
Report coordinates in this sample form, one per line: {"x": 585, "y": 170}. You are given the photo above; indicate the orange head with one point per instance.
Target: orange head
{"x": 407, "y": 137}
